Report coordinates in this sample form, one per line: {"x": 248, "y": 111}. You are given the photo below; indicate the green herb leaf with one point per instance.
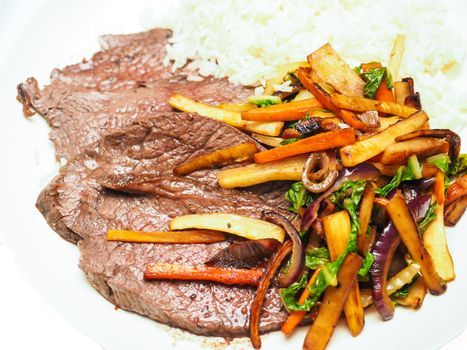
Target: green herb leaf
{"x": 411, "y": 172}
{"x": 291, "y": 140}
{"x": 458, "y": 166}
{"x": 373, "y": 79}
{"x": 366, "y": 265}
{"x": 298, "y": 196}
{"x": 442, "y": 161}
{"x": 289, "y": 295}
{"x": 429, "y": 217}
{"x": 264, "y": 101}
{"x": 316, "y": 258}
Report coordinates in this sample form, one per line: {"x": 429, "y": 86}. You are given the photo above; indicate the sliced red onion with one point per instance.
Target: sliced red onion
{"x": 383, "y": 252}
{"x": 245, "y": 254}
{"x": 360, "y": 172}
{"x": 414, "y": 188}
{"x": 297, "y": 260}
{"x": 419, "y": 206}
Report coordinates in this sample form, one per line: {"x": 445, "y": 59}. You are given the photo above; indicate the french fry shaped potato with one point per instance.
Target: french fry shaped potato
{"x": 360, "y": 104}
{"x": 268, "y": 140}
{"x": 395, "y": 58}
{"x": 364, "y": 215}
{"x": 332, "y": 69}
{"x": 186, "y": 104}
{"x": 225, "y": 156}
{"x": 242, "y": 226}
{"x": 363, "y": 150}
{"x": 188, "y": 237}
{"x": 403, "y": 221}
{"x": 422, "y": 147}
{"x": 337, "y": 230}
{"x": 401, "y": 91}
{"x": 237, "y": 107}
{"x": 434, "y": 239}
{"x": 332, "y": 305}
{"x": 253, "y": 174}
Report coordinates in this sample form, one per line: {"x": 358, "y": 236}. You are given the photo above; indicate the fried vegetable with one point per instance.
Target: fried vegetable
{"x": 363, "y": 150}
{"x": 242, "y": 226}
{"x": 237, "y": 153}
{"x": 318, "y": 92}
{"x": 237, "y": 107}
{"x": 285, "y": 169}
{"x": 364, "y": 121}
{"x": 364, "y": 216}
{"x": 456, "y": 201}
{"x": 332, "y": 69}
{"x": 319, "y": 142}
{"x": 360, "y": 104}
{"x": 281, "y": 72}
{"x": 273, "y": 266}
{"x": 395, "y": 58}
{"x": 416, "y": 294}
{"x": 302, "y": 95}
{"x": 337, "y": 230}
{"x": 422, "y": 147}
{"x": 186, "y": 104}
{"x": 401, "y": 91}
{"x": 268, "y": 140}
{"x": 320, "y": 171}
{"x": 188, "y": 237}
{"x": 229, "y": 276}
{"x": 298, "y": 196}
{"x": 403, "y": 277}
{"x": 403, "y": 221}
{"x": 294, "y": 110}
{"x": 332, "y": 306}
{"x": 264, "y": 100}
{"x": 434, "y": 239}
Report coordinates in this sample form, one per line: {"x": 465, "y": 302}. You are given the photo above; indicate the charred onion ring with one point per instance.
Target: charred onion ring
{"x": 450, "y": 136}
{"x": 320, "y": 171}
{"x": 297, "y": 262}
{"x": 271, "y": 269}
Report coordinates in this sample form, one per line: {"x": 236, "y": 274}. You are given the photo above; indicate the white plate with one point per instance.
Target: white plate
{"x": 58, "y": 33}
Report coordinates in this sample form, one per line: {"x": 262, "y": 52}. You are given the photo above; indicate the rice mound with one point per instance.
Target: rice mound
{"x": 244, "y": 40}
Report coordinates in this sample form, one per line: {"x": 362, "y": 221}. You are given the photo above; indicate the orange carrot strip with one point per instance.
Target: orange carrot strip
{"x": 322, "y": 96}
{"x": 162, "y": 271}
{"x": 367, "y": 66}
{"x": 351, "y": 119}
{"x": 383, "y": 93}
{"x": 296, "y": 317}
{"x": 295, "y": 110}
{"x": 319, "y": 142}
{"x": 439, "y": 187}
{"x": 188, "y": 237}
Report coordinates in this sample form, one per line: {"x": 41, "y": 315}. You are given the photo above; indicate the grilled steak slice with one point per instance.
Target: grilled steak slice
{"x": 80, "y": 209}
{"x": 125, "y": 81}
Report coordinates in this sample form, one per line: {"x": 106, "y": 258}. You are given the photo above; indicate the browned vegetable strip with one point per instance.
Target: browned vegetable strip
{"x": 230, "y": 276}
{"x": 189, "y": 236}
{"x": 416, "y": 295}
{"x": 428, "y": 170}
{"x": 224, "y": 156}
{"x": 337, "y": 230}
{"x": 263, "y": 286}
{"x": 364, "y": 216}
{"x": 401, "y": 91}
{"x": 360, "y": 104}
{"x": 434, "y": 239}
{"x": 456, "y": 201}
{"x": 363, "y": 150}
{"x": 332, "y": 69}
{"x": 408, "y": 230}
{"x": 331, "y": 308}
{"x": 422, "y": 147}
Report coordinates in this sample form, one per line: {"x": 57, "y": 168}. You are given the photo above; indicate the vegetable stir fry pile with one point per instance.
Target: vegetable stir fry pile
{"x": 372, "y": 188}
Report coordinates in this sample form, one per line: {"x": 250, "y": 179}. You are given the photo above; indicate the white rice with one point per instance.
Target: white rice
{"x": 244, "y": 40}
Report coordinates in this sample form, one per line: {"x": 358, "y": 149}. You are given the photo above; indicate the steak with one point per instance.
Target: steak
{"x": 124, "y": 82}
{"x": 110, "y": 121}
{"x": 81, "y": 210}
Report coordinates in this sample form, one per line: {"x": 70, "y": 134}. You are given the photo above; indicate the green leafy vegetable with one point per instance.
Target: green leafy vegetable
{"x": 366, "y": 265}
{"x": 298, "y": 196}
{"x": 289, "y": 295}
{"x": 291, "y": 140}
{"x": 458, "y": 166}
{"x": 442, "y": 161}
{"x": 264, "y": 101}
{"x": 373, "y": 79}
{"x": 411, "y": 172}
{"x": 429, "y": 217}
{"x": 316, "y": 258}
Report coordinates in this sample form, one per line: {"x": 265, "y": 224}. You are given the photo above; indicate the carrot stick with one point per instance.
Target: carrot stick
{"x": 319, "y": 142}
{"x": 162, "y": 271}
{"x": 296, "y": 317}
{"x": 383, "y": 93}
{"x": 189, "y": 236}
{"x": 295, "y": 110}
{"x": 439, "y": 187}
{"x": 351, "y": 119}
{"x": 322, "y": 96}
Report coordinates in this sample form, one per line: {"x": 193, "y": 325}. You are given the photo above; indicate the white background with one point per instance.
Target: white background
{"x": 26, "y": 321}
